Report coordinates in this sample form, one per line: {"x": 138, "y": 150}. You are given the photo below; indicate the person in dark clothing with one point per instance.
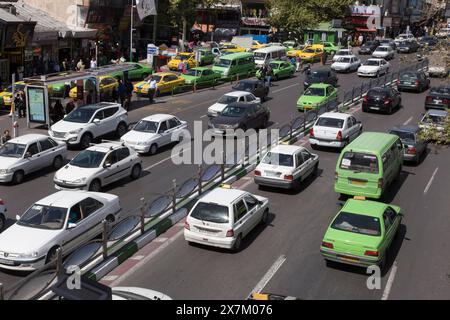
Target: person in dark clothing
{"x": 129, "y": 94}
{"x": 58, "y": 111}
{"x": 5, "y": 137}
{"x": 70, "y": 106}
{"x": 19, "y": 102}
{"x": 121, "y": 91}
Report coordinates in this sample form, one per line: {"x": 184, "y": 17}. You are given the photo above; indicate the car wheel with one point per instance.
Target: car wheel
{"x": 86, "y": 140}
{"x": 382, "y": 264}
{"x": 264, "y": 218}
{"x": 2, "y": 222}
{"x": 58, "y": 162}
{"x": 110, "y": 219}
{"x": 121, "y": 129}
{"x": 18, "y": 177}
{"x": 95, "y": 186}
{"x": 153, "y": 149}
{"x": 51, "y": 255}
{"x": 136, "y": 172}
{"x": 237, "y": 244}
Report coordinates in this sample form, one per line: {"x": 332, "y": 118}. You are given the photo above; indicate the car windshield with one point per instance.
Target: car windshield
{"x": 371, "y": 63}
{"x": 344, "y": 60}
{"x": 318, "y": 75}
{"x": 357, "y": 223}
{"x": 157, "y": 78}
{"x": 308, "y": 50}
{"x": 259, "y": 55}
{"x": 360, "y": 162}
{"x": 274, "y": 65}
{"x": 193, "y": 72}
{"x": 369, "y": 43}
{"x": 440, "y": 90}
{"x": 227, "y": 99}
{"x": 146, "y": 126}
{"x": 182, "y": 57}
{"x": 223, "y": 63}
{"x": 343, "y": 53}
{"x": 88, "y": 159}
{"x": 234, "y": 111}
{"x": 44, "y": 217}
{"x": 80, "y": 115}
{"x": 434, "y": 119}
{"x": 315, "y": 92}
{"x": 403, "y": 135}
{"x": 211, "y": 212}
{"x": 330, "y": 122}
{"x": 244, "y": 86}
{"x": 279, "y": 159}
{"x": 12, "y": 150}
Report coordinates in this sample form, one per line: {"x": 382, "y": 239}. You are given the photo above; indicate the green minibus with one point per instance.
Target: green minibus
{"x": 242, "y": 64}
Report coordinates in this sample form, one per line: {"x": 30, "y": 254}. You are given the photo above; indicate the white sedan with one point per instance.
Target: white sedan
{"x": 99, "y": 166}
{"x": 224, "y": 216}
{"x": 373, "y": 68}
{"x": 2, "y": 215}
{"x": 154, "y": 132}
{"x": 231, "y": 97}
{"x": 342, "y": 53}
{"x": 66, "y": 219}
{"x": 384, "y": 52}
{"x": 346, "y": 64}
{"x": 286, "y": 166}
{"x": 333, "y": 129}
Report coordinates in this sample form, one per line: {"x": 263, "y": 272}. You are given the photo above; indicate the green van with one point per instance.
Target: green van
{"x": 242, "y": 64}
{"x": 368, "y": 165}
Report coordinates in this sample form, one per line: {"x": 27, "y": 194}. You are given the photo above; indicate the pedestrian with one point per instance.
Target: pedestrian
{"x": 5, "y": 137}
{"x": 70, "y": 106}
{"x": 65, "y": 64}
{"x": 129, "y": 94}
{"x": 19, "y": 102}
{"x": 80, "y": 65}
{"x": 153, "y": 86}
{"x": 73, "y": 65}
{"x": 293, "y": 61}
{"x": 58, "y": 111}
{"x": 264, "y": 72}
{"x": 324, "y": 57}
{"x": 269, "y": 75}
{"x": 180, "y": 66}
{"x": 360, "y": 39}
{"x": 298, "y": 64}
{"x": 121, "y": 91}
{"x": 57, "y": 68}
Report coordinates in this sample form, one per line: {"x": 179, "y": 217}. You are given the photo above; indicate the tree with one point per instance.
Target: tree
{"x": 438, "y": 135}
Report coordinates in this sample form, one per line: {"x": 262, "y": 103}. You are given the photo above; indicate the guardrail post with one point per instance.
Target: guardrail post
{"x": 362, "y": 89}
{"x": 59, "y": 267}
{"x": 174, "y": 196}
{"x": 222, "y": 168}
{"x": 105, "y": 239}
{"x": 2, "y": 294}
{"x": 143, "y": 205}
{"x": 199, "y": 180}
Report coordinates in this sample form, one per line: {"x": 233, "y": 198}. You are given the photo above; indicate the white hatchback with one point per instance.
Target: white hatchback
{"x": 99, "y": 166}
{"x": 224, "y": 216}
{"x": 154, "y": 132}
{"x": 66, "y": 219}
{"x": 333, "y": 129}
{"x": 285, "y": 166}
{"x": 231, "y": 97}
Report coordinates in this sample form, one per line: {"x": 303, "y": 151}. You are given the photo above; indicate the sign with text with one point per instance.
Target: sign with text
{"x": 36, "y": 105}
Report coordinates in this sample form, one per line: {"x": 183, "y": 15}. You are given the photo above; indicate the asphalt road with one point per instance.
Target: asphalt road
{"x": 190, "y": 272}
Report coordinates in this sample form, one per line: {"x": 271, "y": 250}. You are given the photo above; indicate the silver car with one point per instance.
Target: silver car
{"x": 29, "y": 153}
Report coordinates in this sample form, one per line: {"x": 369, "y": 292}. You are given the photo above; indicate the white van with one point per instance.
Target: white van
{"x": 265, "y": 55}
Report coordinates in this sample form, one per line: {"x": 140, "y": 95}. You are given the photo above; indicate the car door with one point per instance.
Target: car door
{"x": 111, "y": 167}
{"x": 164, "y": 134}
{"x": 242, "y": 221}
{"x": 308, "y": 162}
{"x": 260, "y": 114}
{"x": 300, "y": 169}
{"x": 175, "y": 125}
{"x": 33, "y": 161}
{"x": 47, "y": 152}
{"x": 97, "y": 128}
{"x": 110, "y": 121}
{"x": 251, "y": 119}
{"x": 391, "y": 222}
{"x": 125, "y": 162}
{"x": 253, "y": 210}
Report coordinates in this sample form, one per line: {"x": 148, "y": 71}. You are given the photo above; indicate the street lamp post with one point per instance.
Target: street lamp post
{"x": 131, "y": 31}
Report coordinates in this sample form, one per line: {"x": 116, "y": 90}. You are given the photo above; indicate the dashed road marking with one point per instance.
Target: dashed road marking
{"x": 407, "y": 121}
{"x": 387, "y": 289}
{"x": 160, "y": 239}
{"x": 285, "y": 88}
{"x": 269, "y": 275}
{"x": 163, "y": 160}
{"x": 431, "y": 181}
{"x": 109, "y": 278}
{"x": 137, "y": 258}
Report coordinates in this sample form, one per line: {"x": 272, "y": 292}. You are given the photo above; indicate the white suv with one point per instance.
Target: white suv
{"x": 86, "y": 123}
{"x": 99, "y": 166}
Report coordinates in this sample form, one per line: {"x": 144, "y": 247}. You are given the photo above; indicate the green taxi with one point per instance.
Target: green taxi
{"x": 200, "y": 75}
{"x": 330, "y": 47}
{"x": 139, "y": 72}
{"x": 206, "y": 56}
{"x": 361, "y": 233}
{"x": 280, "y": 68}
{"x": 316, "y": 96}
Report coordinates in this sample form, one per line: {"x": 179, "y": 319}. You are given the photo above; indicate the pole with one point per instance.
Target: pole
{"x": 13, "y": 106}
{"x": 155, "y": 22}
{"x": 131, "y": 31}
{"x": 184, "y": 35}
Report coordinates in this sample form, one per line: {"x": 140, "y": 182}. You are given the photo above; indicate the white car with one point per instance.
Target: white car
{"x": 154, "y": 132}
{"x": 29, "y": 153}
{"x": 99, "y": 166}
{"x": 231, "y": 97}
{"x": 86, "y": 123}
{"x": 286, "y": 166}
{"x": 384, "y": 52}
{"x": 223, "y": 217}
{"x": 2, "y": 215}
{"x": 404, "y": 37}
{"x": 373, "y": 68}
{"x": 346, "y": 64}
{"x": 134, "y": 293}
{"x": 342, "y": 53}
{"x": 334, "y": 129}
{"x": 66, "y": 219}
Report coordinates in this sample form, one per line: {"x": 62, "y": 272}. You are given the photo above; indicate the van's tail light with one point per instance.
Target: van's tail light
{"x": 327, "y": 245}
{"x": 230, "y": 233}
{"x": 446, "y": 101}
{"x": 411, "y": 150}
{"x": 380, "y": 183}
{"x": 371, "y": 253}
{"x": 339, "y": 136}
{"x": 429, "y": 99}
{"x": 311, "y": 132}
{"x": 257, "y": 173}
{"x": 336, "y": 176}
{"x": 187, "y": 226}
{"x": 289, "y": 177}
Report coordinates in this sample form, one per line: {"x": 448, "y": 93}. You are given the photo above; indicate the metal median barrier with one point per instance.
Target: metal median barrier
{"x": 156, "y": 213}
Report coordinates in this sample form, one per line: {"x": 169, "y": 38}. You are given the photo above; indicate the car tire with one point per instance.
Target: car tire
{"x": 382, "y": 264}
{"x": 18, "y": 177}
{"x": 121, "y": 129}
{"x": 153, "y": 149}
{"x": 237, "y": 244}
{"x": 95, "y": 186}
{"x": 85, "y": 141}
{"x": 51, "y": 255}
{"x": 264, "y": 218}
{"x": 314, "y": 146}
{"x": 110, "y": 219}
{"x": 136, "y": 172}
{"x": 2, "y": 222}
{"x": 58, "y": 162}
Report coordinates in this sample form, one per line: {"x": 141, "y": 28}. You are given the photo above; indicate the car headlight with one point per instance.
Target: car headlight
{"x": 143, "y": 143}
{"x": 5, "y": 171}
{"x": 82, "y": 180}
{"x": 76, "y": 131}
{"x": 28, "y": 255}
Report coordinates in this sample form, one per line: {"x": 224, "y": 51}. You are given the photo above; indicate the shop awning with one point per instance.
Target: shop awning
{"x": 366, "y": 30}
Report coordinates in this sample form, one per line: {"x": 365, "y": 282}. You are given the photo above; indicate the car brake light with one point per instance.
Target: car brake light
{"x": 230, "y": 233}
{"x": 289, "y": 177}
{"x": 311, "y": 132}
{"x": 387, "y": 101}
{"x": 366, "y": 98}
{"x": 257, "y": 173}
{"x": 417, "y": 82}
{"x": 2, "y": 203}
{"x": 446, "y": 101}
{"x": 327, "y": 245}
{"x": 429, "y": 99}
{"x": 187, "y": 226}
{"x": 411, "y": 150}
{"x": 371, "y": 253}
{"x": 339, "y": 136}
{"x": 380, "y": 183}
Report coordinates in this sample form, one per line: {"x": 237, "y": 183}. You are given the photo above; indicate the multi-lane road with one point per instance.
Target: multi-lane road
{"x": 285, "y": 253}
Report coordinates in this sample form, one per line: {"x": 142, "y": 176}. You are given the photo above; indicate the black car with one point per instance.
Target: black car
{"x": 257, "y": 87}
{"x": 241, "y": 115}
{"x": 428, "y": 41}
{"x": 413, "y": 80}
{"x": 407, "y": 47}
{"x": 438, "y": 98}
{"x": 388, "y": 42}
{"x": 369, "y": 47}
{"x": 382, "y": 99}
{"x": 323, "y": 75}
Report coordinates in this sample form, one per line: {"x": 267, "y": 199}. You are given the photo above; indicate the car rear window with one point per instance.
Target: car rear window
{"x": 440, "y": 90}
{"x": 359, "y": 162}
{"x": 357, "y": 223}
{"x": 279, "y": 159}
{"x": 377, "y": 93}
{"x": 409, "y": 75}
{"x": 211, "y": 212}
{"x": 330, "y": 122}
{"x": 403, "y": 135}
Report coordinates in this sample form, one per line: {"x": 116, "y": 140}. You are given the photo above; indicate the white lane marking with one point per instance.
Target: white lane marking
{"x": 161, "y": 239}
{"x": 387, "y": 289}
{"x": 137, "y": 258}
{"x": 204, "y": 116}
{"x": 269, "y": 275}
{"x": 431, "y": 181}
{"x": 285, "y": 88}
{"x": 144, "y": 261}
{"x": 110, "y": 278}
{"x": 163, "y": 160}
{"x": 407, "y": 121}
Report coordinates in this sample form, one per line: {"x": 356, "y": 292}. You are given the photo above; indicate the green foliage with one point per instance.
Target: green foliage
{"x": 438, "y": 135}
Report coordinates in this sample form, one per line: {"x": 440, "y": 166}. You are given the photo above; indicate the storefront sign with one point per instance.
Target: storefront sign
{"x": 262, "y": 22}
{"x": 365, "y": 10}
{"x": 19, "y": 35}
{"x": 36, "y": 105}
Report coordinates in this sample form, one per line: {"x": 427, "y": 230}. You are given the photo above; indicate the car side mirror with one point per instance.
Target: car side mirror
{"x": 161, "y": 131}
{"x": 17, "y": 217}
{"x": 258, "y": 100}
{"x": 65, "y": 116}
{"x": 107, "y": 165}
{"x": 27, "y": 155}
{"x": 71, "y": 225}
{"x": 96, "y": 121}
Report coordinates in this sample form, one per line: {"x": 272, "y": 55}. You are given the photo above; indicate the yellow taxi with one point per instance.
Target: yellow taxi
{"x": 107, "y": 85}
{"x": 188, "y": 57}
{"x": 6, "y": 95}
{"x": 258, "y": 45}
{"x": 294, "y": 53}
{"x": 231, "y": 48}
{"x": 311, "y": 54}
{"x": 165, "y": 82}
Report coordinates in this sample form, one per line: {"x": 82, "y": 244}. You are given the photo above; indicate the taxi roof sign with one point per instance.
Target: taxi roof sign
{"x": 226, "y": 186}
{"x": 260, "y": 296}
{"x": 362, "y": 198}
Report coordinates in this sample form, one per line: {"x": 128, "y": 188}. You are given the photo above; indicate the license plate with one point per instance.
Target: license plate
{"x": 375, "y": 108}
{"x": 271, "y": 174}
{"x": 437, "y": 101}
{"x": 358, "y": 183}
{"x": 8, "y": 262}
{"x": 345, "y": 258}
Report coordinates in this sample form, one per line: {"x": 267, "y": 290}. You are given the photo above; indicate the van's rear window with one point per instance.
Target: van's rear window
{"x": 359, "y": 162}
{"x": 210, "y": 212}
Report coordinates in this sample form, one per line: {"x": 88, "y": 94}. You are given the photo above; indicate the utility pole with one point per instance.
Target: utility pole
{"x": 155, "y": 22}
{"x": 184, "y": 34}
{"x": 131, "y": 31}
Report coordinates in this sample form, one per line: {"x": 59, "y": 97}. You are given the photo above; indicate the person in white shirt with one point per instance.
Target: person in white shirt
{"x": 152, "y": 89}
{"x": 93, "y": 63}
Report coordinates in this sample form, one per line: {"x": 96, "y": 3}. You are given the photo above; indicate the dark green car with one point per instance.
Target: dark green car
{"x": 281, "y": 69}
{"x": 139, "y": 72}
{"x": 207, "y": 57}
{"x": 200, "y": 75}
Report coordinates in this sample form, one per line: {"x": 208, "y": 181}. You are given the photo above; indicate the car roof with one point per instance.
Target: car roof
{"x": 286, "y": 149}
{"x": 406, "y": 128}
{"x": 158, "y": 117}
{"x": 26, "y": 139}
{"x": 320, "y": 85}
{"x": 439, "y": 113}
{"x": 222, "y": 196}
{"x": 237, "y": 93}
{"x": 371, "y": 141}
{"x": 349, "y": 50}
{"x": 335, "y": 115}
{"x": 162, "y": 74}
{"x": 321, "y": 70}
{"x": 365, "y": 207}
{"x": 64, "y": 199}
{"x": 106, "y": 146}
{"x": 100, "y": 105}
